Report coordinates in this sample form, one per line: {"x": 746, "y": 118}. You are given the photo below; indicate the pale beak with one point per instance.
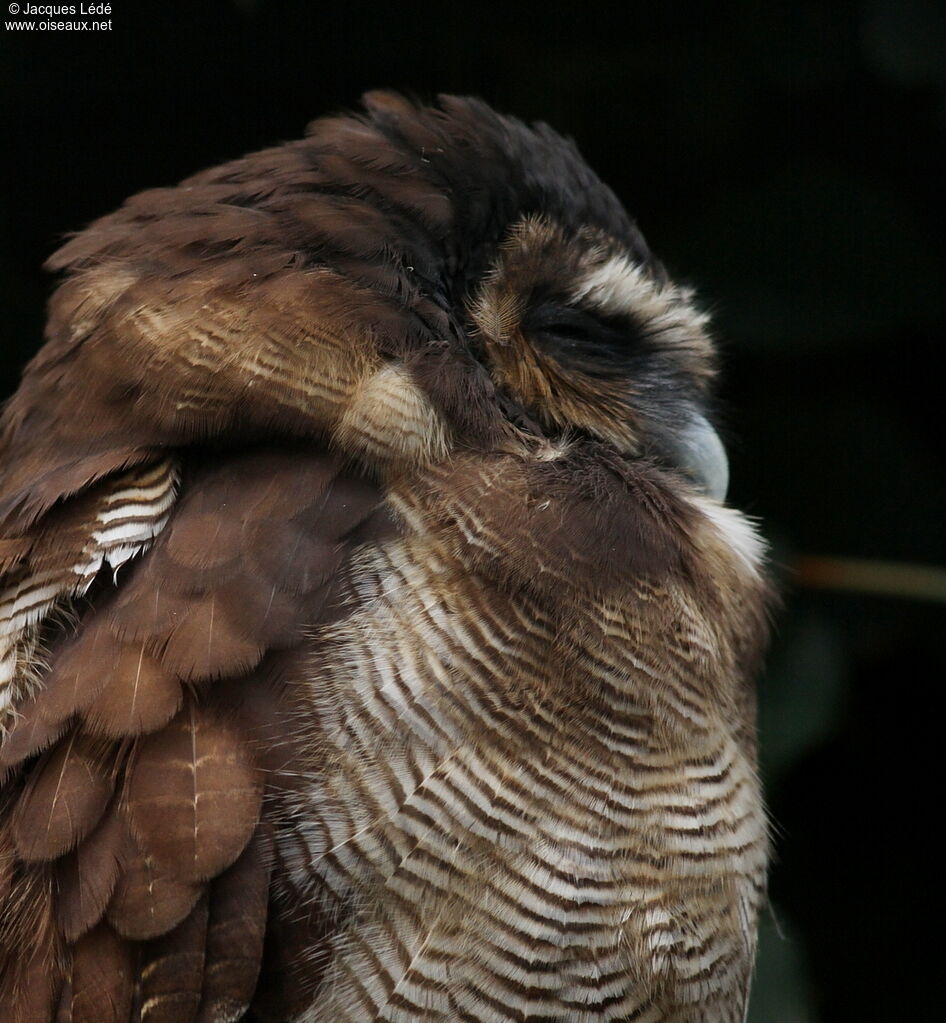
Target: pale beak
{"x": 698, "y": 451}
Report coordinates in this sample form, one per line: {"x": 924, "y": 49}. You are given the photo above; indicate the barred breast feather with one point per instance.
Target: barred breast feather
{"x": 530, "y": 800}
{"x": 374, "y": 644}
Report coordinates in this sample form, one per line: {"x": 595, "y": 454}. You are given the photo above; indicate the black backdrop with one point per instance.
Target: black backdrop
{"x": 784, "y": 157}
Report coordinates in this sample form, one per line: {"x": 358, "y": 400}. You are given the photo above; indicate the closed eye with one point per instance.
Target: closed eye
{"x": 590, "y": 343}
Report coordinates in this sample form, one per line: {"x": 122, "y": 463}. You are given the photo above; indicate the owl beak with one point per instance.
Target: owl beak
{"x": 699, "y": 452}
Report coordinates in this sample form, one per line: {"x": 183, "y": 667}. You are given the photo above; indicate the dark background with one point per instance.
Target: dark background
{"x": 787, "y": 158}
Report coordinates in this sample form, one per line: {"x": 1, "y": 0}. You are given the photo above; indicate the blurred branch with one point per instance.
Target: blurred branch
{"x": 862, "y": 575}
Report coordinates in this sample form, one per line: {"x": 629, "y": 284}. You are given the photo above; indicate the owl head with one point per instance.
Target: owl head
{"x": 578, "y": 327}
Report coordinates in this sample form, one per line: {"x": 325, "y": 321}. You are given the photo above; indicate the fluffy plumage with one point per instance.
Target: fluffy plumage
{"x": 374, "y": 644}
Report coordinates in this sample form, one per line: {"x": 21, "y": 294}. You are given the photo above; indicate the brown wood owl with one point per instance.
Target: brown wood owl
{"x": 374, "y": 641}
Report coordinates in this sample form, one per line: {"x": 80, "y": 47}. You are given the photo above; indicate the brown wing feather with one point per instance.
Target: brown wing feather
{"x": 193, "y": 795}
{"x": 102, "y": 979}
{"x": 86, "y": 878}
{"x": 172, "y": 970}
{"x": 62, "y": 802}
{"x": 137, "y": 695}
{"x": 235, "y": 933}
{"x": 148, "y": 901}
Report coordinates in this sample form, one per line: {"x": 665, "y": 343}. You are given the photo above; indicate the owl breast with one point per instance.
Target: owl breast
{"x": 519, "y": 810}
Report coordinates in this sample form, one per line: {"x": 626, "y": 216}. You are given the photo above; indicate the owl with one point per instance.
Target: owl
{"x": 375, "y": 641}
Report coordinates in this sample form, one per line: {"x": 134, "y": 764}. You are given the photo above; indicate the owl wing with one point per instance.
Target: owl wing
{"x": 153, "y": 731}
{"x": 177, "y": 512}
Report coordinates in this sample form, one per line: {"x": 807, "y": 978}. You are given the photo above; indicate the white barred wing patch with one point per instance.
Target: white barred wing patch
{"x": 121, "y": 518}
